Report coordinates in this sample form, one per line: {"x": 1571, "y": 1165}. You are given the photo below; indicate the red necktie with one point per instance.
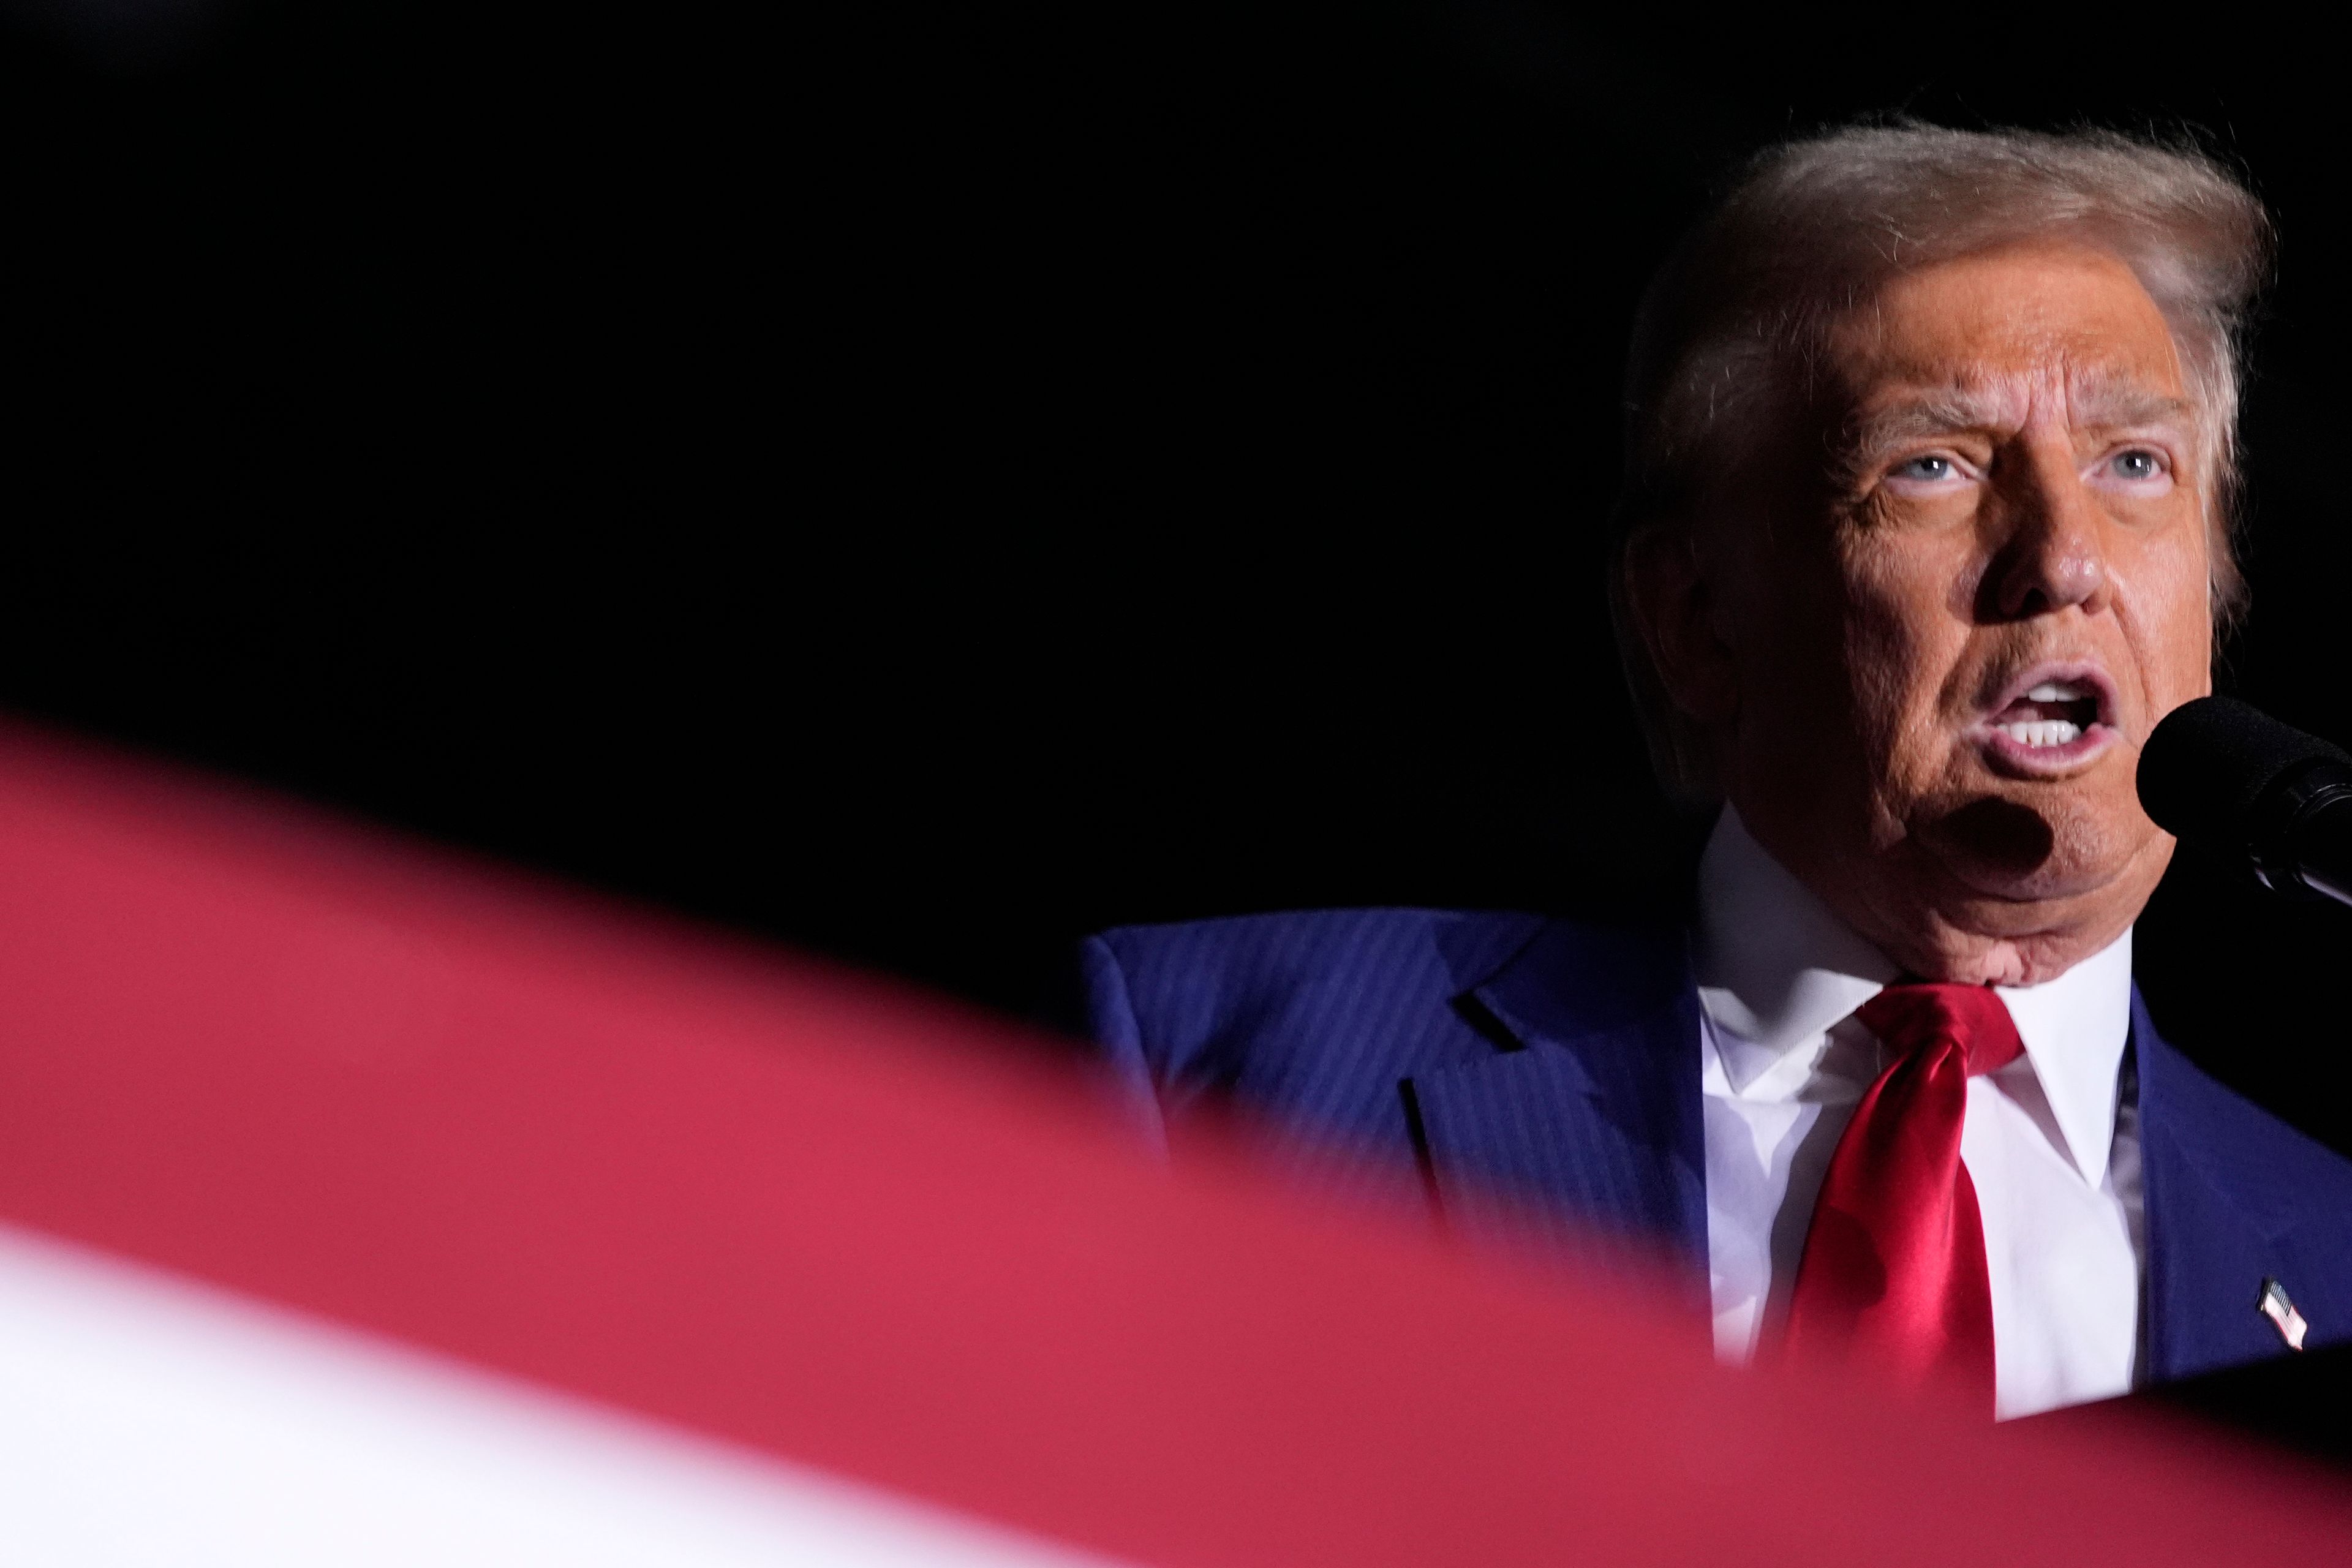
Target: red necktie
{"x": 1894, "y": 1270}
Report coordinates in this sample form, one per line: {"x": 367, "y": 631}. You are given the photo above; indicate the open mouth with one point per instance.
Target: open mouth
{"x": 2050, "y": 714}
{"x": 2056, "y": 720}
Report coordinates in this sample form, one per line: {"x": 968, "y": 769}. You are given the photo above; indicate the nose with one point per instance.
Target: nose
{"x": 2052, "y": 552}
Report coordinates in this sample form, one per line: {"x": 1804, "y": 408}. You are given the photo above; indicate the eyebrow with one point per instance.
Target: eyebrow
{"x": 2106, "y": 403}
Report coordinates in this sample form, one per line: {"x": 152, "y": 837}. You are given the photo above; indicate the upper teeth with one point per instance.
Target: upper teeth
{"x": 2056, "y": 691}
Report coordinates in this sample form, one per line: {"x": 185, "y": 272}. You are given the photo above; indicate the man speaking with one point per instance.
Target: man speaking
{"x": 1924, "y": 525}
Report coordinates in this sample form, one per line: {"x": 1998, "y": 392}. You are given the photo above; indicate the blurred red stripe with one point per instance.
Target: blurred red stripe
{"x": 803, "y": 1212}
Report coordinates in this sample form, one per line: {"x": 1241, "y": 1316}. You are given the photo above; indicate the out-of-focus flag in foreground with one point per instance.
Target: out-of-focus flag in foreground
{"x": 360, "y": 1207}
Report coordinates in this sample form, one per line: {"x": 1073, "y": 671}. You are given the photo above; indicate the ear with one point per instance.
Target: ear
{"x": 1678, "y": 611}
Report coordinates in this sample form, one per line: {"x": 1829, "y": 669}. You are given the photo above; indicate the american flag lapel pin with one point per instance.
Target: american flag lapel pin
{"x": 2281, "y": 1311}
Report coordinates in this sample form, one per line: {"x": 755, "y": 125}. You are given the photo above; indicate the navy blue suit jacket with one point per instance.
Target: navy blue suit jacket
{"x": 1555, "y": 1065}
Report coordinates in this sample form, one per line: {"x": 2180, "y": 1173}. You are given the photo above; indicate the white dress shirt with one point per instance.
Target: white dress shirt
{"x": 2051, "y": 1148}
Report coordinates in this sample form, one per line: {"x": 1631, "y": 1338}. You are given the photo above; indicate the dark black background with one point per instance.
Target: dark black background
{"x": 925, "y": 484}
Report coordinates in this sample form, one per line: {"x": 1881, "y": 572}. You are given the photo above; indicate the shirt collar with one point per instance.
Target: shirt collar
{"x": 1777, "y": 969}
{"x": 2074, "y": 1028}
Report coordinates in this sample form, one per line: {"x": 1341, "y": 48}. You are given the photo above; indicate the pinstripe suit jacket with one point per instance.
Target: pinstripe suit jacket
{"x": 1542, "y": 1072}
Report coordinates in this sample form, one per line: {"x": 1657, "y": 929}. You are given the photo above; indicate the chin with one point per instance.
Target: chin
{"x": 2051, "y": 882}
{"x": 2037, "y": 843}
{"x": 2018, "y": 893}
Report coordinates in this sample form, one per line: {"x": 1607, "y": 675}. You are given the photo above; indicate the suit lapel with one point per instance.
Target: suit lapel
{"x": 1583, "y": 1129}
{"x": 2208, "y": 1244}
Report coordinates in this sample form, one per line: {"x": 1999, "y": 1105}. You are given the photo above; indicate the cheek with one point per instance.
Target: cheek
{"x": 2165, "y": 598}
{"x": 1901, "y": 643}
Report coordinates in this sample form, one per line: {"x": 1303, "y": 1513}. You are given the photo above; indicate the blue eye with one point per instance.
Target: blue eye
{"x": 2138, "y": 465}
{"x": 1931, "y": 470}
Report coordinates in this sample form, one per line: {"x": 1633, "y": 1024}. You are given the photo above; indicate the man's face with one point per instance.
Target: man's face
{"x": 1945, "y": 648}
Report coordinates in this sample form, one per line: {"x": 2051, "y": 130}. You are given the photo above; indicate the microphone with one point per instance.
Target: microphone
{"x": 2227, "y": 776}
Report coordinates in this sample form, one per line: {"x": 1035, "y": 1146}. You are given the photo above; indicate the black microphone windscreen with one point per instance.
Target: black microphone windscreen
{"x": 2210, "y": 760}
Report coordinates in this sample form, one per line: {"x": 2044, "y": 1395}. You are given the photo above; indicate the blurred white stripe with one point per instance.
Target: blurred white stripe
{"x": 145, "y": 1420}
